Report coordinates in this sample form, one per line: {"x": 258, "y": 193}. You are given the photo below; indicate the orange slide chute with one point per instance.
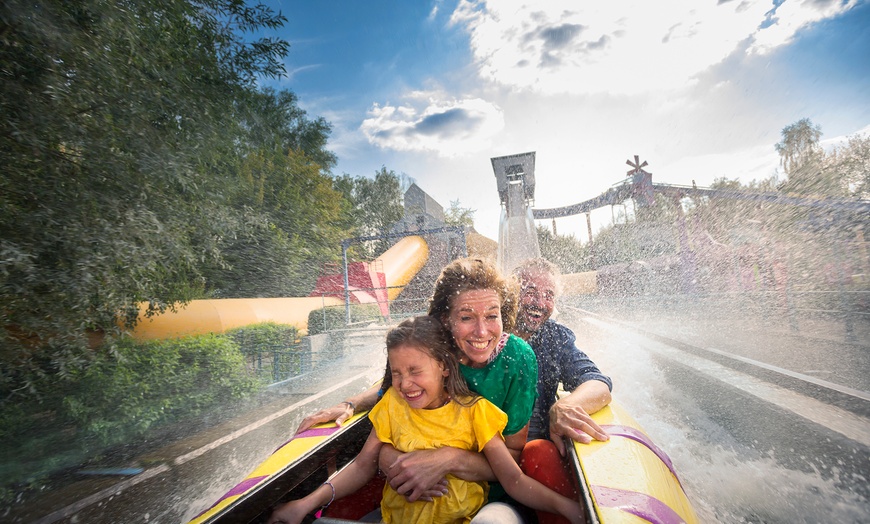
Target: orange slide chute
{"x": 399, "y": 265}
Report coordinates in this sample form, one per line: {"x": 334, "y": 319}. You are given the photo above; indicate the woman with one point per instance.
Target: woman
{"x": 478, "y": 306}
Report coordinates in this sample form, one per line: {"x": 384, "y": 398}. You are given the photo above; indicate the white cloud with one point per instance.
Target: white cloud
{"x": 793, "y": 15}
{"x": 622, "y": 47}
{"x": 425, "y": 122}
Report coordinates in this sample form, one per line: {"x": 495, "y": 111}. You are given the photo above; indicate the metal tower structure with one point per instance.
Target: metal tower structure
{"x": 517, "y": 238}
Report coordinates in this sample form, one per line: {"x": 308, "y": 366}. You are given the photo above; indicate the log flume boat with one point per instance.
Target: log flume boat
{"x": 628, "y": 479}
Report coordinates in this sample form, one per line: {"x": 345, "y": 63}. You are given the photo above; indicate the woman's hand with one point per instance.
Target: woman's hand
{"x": 339, "y": 413}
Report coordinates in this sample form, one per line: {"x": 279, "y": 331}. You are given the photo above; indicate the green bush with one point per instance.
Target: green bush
{"x": 154, "y": 383}
{"x": 123, "y": 396}
{"x": 324, "y": 319}
{"x": 264, "y": 336}
{"x": 271, "y": 350}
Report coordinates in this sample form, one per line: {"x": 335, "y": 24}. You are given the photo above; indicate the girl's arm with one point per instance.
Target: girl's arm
{"x": 525, "y": 489}
{"x": 516, "y": 442}
{"x": 343, "y": 411}
{"x": 347, "y": 481}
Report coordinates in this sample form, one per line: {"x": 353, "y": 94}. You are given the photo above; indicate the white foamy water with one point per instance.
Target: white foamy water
{"x": 727, "y": 479}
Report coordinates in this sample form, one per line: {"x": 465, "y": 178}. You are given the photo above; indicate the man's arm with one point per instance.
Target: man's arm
{"x": 570, "y": 415}
{"x": 343, "y": 411}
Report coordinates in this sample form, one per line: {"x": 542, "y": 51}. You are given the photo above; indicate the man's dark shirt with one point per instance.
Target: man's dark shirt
{"x": 559, "y": 360}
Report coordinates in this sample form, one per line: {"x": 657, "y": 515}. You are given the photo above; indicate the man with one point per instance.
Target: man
{"x": 559, "y": 361}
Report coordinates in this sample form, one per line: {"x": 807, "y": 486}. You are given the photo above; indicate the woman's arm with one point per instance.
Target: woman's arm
{"x": 524, "y": 489}
{"x": 421, "y": 474}
{"x": 353, "y": 477}
{"x": 418, "y": 474}
{"x": 342, "y": 411}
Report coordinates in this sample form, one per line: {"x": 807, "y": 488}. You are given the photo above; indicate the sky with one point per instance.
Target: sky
{"x": 699, "y": 89}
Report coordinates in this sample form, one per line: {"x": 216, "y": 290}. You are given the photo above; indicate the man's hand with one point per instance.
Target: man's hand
{"x": 339, "y": 413}
{"x": 419, "y": 474}
{"x": 572, "y": 421}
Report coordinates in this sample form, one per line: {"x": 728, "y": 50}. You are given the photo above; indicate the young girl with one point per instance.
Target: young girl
{"x": 428, "y": 405}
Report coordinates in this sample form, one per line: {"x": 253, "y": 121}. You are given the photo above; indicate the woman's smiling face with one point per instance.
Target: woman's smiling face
{"x": 418, "y": 377}
{"x": 476, "y": 325}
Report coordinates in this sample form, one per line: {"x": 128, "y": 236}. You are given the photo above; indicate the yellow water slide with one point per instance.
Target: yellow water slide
{"x": 399, "y": 264}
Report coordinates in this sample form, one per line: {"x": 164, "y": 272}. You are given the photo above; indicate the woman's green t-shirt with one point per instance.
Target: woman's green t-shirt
{"x": 510, "y": 382}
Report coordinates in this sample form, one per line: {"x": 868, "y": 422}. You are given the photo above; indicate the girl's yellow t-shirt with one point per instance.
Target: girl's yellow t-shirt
{"x": 454, "y": 425}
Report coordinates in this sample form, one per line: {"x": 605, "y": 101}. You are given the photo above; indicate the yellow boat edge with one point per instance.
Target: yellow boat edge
{"x": 629, "y": 478}
{"x": 286, "y": 454}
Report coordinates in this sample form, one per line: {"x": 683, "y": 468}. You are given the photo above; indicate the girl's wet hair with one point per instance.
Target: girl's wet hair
{"x": 426, "y": 334}
{"x": 473, "y": 274}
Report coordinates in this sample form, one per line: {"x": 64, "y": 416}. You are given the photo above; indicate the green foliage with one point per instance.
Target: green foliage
{"x": 849, "y": 165}
{"x": 126, "y": 130}
{"x": 264, "y": 335}
{"x": 799, "y": 145}
{"x": 294, "y": 227}
{"x": 272, "y": 350}
{"x": 155, "y": 383}
{"x": 375, "y": 205}
{"x": 126, "y": 393}
{"x": 813, "y": 172}
{"x": 567, "y": 252}
{"x": 456, "y": 215}
{"x": 325, "y": 319}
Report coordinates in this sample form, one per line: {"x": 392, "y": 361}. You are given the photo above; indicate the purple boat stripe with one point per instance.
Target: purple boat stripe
{"x": 316, "y": 432}
{"x": 239, "y": 488}
{"x": 633, "y": 434}
{"x": 638, "y": 504}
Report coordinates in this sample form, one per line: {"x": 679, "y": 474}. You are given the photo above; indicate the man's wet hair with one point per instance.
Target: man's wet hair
{"x": 536, "y": 265}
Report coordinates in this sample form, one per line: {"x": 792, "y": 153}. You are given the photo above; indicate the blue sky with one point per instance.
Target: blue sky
{"x": 698, "y": 88}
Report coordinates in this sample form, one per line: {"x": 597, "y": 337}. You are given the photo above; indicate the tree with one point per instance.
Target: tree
{"x": 456, "y": 215}
{"x": 292, "y": 227}
{"x": 799, "y": 145}
{"x": 273, "y": 119}
{"x": 567, "y": 252}
{"x": 118, "y": 145}
{"x": 375, "y": 206}
{"x": 802, "y": 159}
{"x": 290, "y": 218}
{"x": 849, "y": 164}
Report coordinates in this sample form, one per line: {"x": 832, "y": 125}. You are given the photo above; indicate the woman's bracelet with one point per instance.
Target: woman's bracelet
{"x": 328, "y": 483}
{"x": 349, "y": 403}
